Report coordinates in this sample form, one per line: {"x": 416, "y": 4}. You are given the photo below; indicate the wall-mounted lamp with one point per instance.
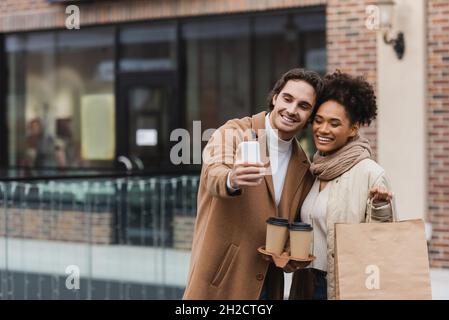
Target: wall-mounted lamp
{"x": 386, "y": 10}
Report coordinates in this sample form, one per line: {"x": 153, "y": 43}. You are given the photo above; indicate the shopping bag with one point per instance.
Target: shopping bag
{"x": 382, "y": 261}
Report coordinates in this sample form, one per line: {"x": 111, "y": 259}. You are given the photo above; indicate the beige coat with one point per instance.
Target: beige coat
{"x": 348, "y": 195}
{"x": 224, "y": 262}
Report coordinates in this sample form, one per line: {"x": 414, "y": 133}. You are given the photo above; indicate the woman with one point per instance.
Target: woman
{"x": 345, "y": 178}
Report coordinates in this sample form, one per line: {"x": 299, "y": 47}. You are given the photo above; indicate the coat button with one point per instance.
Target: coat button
{"x": 259, "y": 276}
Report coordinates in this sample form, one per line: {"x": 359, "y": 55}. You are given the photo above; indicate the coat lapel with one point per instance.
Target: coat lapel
{"x": 270, "y": 186}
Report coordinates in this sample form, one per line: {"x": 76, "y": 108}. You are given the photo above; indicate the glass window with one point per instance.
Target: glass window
{"x": 218, "y": 70}
{"x": 284, "y": 42}
{"x": 226, "y": 69}
{"x": 148, "y": 131}
{"x": 276, "y": 50}
{"x": 52, "y": 76}
{"x": 148, "y": 48}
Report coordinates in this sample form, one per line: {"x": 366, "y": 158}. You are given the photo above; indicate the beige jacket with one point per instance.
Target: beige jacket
{"x": 224, "y": 263}
{"x": 347, "y": 203}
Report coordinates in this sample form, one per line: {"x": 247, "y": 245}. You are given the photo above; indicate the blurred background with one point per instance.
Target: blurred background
{"x": 86, "y": 113}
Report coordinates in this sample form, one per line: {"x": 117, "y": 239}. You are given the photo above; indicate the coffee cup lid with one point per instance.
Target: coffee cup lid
{"x": 299, "y": 226}
{"x": 278, "y": 221}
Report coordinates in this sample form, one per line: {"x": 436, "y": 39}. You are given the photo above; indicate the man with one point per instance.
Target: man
{"x": 236, "y": 198}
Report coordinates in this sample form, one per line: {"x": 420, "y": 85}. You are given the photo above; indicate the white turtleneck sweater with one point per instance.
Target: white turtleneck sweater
{"x": 280, "y": 152}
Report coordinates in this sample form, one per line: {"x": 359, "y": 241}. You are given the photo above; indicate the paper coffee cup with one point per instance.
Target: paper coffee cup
{"x": 277, "y": 233}
{"x": 300, "y": 240}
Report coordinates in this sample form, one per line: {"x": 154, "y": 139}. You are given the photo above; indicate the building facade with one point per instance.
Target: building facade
{"x": 136, "y": 70}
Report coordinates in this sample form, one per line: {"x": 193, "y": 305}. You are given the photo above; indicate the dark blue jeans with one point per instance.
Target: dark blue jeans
{"x": 320, "y": 285}
{"x": 309, "y": 284}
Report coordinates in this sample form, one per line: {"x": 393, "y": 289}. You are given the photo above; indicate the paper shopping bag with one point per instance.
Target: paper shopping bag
{"x": 382, "y": 261}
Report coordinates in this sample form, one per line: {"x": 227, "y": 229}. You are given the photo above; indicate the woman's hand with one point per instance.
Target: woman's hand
{"x": 380, "y": 194}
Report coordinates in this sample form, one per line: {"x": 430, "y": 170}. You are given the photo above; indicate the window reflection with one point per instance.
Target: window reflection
{"x": 218, "y": 71}
{"x": 284, "y": 42}
{"x": 226, "y": 68}
{"x": 50, "y": 73}
{"x": 148, "y": 48}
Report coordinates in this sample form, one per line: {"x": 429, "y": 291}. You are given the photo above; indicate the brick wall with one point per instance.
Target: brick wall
{"x": 438, "y": 129}
{"x": 74, "y": 226}
{"x": 18, "y": 15}
{"x": 183, "y": 228}
{"x": 351, "y": 47}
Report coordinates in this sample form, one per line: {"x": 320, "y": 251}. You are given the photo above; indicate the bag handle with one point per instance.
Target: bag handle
{"x": 370, "y": 210}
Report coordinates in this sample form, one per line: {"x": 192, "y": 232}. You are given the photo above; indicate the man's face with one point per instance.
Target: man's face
{"x": 292, "y": 108}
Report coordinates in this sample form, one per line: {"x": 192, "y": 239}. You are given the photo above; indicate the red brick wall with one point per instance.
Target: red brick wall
{"x": 351, "y": 47}
{"x": 39, "y": 14}
{"x": 438, "y": 129}
{"x": 73, "y": 226}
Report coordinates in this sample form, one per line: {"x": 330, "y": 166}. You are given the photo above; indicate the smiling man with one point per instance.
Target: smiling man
{"x": 235, "y": 198}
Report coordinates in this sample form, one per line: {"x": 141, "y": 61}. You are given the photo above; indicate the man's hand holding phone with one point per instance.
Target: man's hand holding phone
{"x": 246, "y": 174}
{"x": 248, "y": 171}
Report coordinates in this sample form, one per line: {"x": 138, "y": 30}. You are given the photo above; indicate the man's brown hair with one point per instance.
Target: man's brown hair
{"x": 297, "y": 74}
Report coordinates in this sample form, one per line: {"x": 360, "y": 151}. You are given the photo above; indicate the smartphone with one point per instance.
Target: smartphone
{"x": 250, "y": 151}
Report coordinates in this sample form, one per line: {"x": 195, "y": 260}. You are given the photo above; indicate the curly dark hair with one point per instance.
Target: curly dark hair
{"x": 355, "y": 94}
{"x": 311, "y": 77}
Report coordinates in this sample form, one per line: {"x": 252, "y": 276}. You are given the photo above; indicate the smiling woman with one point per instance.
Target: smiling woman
{"x": 332, "y": 127}
{"x": 345, "y": 177}
{"x": 346, "y": 104}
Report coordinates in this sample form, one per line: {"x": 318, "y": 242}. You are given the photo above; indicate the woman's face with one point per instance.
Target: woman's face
{"x": 332, "y": 127}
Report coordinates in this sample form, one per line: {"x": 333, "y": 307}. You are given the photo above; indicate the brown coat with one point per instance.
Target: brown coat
{"x": 224, "y": 263}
